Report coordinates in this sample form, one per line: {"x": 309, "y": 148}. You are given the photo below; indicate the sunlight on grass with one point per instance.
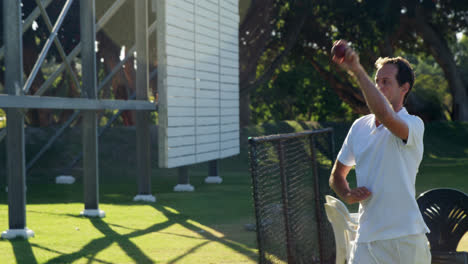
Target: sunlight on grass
{"x": 174, "y": 211}
{"x": 135, "y": 233}
{"x": 206, "y": 229}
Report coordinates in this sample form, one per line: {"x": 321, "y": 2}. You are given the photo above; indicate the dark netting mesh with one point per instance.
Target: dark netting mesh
{"x": 290, "y": 178}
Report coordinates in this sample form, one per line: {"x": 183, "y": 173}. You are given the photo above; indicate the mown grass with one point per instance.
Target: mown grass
{"x": 206, "y": 226}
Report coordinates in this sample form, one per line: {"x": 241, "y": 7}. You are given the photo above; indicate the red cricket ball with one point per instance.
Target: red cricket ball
{"x": 338, "y": 50}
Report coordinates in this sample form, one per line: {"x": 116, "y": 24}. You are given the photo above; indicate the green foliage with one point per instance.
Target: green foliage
{"x": 297, "y": 92}
{"x": 431, "y": 87}
{"x": 461, "y": 56}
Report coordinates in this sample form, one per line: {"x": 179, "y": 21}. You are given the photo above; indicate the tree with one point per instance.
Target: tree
{"x": 382, "y": 28}
{"x": 270, "y": 26}
{"x": 436, "y": 23}
{"x": 297, "y": 92}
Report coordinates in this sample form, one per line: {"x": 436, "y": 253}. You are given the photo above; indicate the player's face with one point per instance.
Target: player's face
{"x": 387, "y": 83}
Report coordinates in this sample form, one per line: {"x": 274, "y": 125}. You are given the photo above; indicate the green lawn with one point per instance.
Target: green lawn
{"x": 206, "y": 226}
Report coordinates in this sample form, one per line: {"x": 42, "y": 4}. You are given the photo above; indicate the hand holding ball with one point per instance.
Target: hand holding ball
{"x": 338, "y": 50}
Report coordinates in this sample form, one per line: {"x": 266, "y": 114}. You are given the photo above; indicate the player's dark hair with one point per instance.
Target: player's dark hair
{"x": 405, "y": 73}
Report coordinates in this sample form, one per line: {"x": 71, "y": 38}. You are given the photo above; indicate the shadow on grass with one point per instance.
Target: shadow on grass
{"x": 207, "y": 235}
{"x": 23, "y": 251}
{"x": 110, "y": 236}
{"x": 24, "y": 254}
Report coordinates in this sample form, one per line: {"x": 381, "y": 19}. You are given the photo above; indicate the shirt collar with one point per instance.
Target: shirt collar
{"x": 402, "y": 111}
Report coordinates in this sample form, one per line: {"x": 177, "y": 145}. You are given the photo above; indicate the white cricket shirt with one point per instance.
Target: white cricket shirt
{"x": 387, "y": 166}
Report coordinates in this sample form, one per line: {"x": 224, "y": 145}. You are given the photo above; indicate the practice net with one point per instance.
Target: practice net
{"x": 290, "y": 180}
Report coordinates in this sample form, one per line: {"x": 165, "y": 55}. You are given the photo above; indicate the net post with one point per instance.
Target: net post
{"x": 284, "y": 196}
{"x": 317, "y": 196}
{"x": 253, "y": 171}
{"x": 332, "y": 145}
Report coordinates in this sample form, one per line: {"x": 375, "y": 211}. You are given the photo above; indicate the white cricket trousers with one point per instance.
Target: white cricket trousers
{"x": 413, "y": 249}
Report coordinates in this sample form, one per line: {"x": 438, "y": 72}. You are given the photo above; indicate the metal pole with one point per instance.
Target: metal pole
{"x": 213, "y": 168}
{"x": 318, "y": 205}
{"x": 332, "y": 145}
{"x": 183, "y": 175}
{"x": 57, "y": 43}
{"x": 15, "y": 119}
{"x": 90, "y": 127}
{"x": 28, "y": 22}
{"x": 48, "y": 44}
{"x": 284, "y": 195}
{"x": 16, "y": 169}
{"x": 255, "y": 184}
{"x": 213, "y": 172}
{"x": 184, "y": 181}
{"x": 73, "y": 54}
{"x": 143, "y": 138}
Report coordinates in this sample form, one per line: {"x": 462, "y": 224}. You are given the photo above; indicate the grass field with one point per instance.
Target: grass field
{"x": 206, "y": 226}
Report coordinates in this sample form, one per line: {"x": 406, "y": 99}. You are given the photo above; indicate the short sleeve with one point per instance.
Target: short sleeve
{"x": 346, "y": 155}
{"x": 416, "y": 130}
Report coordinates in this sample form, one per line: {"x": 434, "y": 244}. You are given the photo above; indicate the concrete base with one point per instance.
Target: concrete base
{"x": 184, "y": 188}
{"x": 144, "y": 198}
{"x": 213, "y": 179}
{"x": 14, "y": 233}
{"x": 64, "y": 179}
{"x": 93, "y": 213}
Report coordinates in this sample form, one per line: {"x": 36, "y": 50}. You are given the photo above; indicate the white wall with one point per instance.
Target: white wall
{"x": 198, "y": 80}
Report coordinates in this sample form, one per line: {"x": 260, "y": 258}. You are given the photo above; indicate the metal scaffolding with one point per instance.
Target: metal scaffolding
{"x": 17, "y": 98}
{"x": 20, "y": 96}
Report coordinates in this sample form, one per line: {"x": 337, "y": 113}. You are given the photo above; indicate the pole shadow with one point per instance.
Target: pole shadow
{"x": 23, "y": 251}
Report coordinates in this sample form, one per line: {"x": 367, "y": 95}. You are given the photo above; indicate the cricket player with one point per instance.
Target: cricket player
{"x": 386, "y": 148}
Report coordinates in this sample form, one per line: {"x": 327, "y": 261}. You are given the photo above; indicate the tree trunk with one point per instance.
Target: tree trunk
{"x": 439, "y": 49}
{"x": 256, "y": 33}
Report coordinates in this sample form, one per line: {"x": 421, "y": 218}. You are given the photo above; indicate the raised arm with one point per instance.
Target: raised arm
{"x": 379, "y": 105}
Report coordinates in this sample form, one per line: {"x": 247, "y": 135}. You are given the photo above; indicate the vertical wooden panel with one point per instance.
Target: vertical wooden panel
{"x": 199, "y": 37}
